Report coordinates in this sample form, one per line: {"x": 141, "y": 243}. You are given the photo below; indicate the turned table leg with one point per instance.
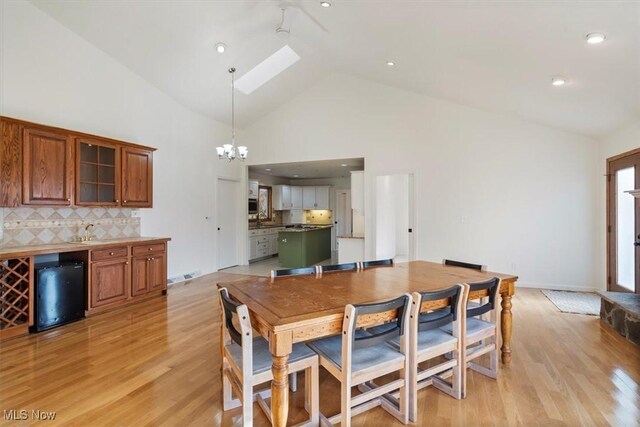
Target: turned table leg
{"x": 280, "y": 391}
{"x": 505, "y": 317}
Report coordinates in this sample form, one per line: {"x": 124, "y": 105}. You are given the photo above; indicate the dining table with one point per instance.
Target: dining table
{"x": 292, "y": 309}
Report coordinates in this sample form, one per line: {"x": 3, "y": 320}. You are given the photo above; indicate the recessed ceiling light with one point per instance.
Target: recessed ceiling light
{"x": 391, "y": 63}
{"x": 221, "y": 47}
{"x": 295, "y": 176}
{"x": 558, "y": 81}
{"x": 268, "y": 169}
{"x": 325, "y": 4}
{"x": 595, "y": 38}
{"x": 343, "y": 164}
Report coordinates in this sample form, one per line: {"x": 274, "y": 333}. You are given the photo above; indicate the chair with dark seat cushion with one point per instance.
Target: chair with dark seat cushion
{"x": 357, "y": 358}
{"x": 482, "y": 327}
{"x": 453, "y": 263}
{"x": 378, "y": 263}
{"x": 294, "y": 271}
{"x": 246, "y": 362}
{"x": 340, "y": 267}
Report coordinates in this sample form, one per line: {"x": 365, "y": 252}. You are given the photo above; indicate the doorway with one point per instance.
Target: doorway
{"x": 342, "y": 218}
{"x": 228, "y": 192}
{"x": 623, "y": 223}
{"x": 394, "y": 217}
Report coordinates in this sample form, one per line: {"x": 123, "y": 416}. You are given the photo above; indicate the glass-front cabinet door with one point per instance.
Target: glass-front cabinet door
{"x": 98, "y": 172}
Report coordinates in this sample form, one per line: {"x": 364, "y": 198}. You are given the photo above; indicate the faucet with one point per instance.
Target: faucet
{"x": 88, "y": 233}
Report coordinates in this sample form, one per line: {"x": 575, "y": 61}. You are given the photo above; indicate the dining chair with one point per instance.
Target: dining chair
{"x": 453, "y": 263}
{"x": 295, "y": 271}
{"x": 340, "y": 267}
{"x": 482, "y": 329}
{"x": 377, "y": 263}
{"x": 246, "y": 362}
{"x": 356, "y": 358}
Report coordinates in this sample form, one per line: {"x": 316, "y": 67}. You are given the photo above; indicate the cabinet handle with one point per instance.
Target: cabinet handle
{"x": 111, "y": 253}
{"x": 68, "y": 200}
{"x": 117, "y": 201}
{"x": 150, "y": 249}
{"x": 125, "y": 201}
{"x": 126, "y": 263}
{"x": 152, "y": 259}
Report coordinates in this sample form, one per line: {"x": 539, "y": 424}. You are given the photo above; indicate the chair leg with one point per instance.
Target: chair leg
{"x": 404, "y": 396}
{"x": 345, "y": 404}
{"x": 228, "y": 402}
{"x": 413, "y": 391}
{"x": 247, "y": 403}
{"x": 293, "y": 381}
{"x": 312, "y": 395}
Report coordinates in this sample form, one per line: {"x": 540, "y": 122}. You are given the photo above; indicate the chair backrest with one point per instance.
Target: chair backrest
{"x": 492, "y": 286}
{"x": 340, "y": 267}
{"x": 377, "y": 263}
{"x": 294, "y": 271}
{"x": 453, "y": 263}
{"x": 395, "y": 329}
{"x": 442, "y": 316}
{"x": 231, "y": 308}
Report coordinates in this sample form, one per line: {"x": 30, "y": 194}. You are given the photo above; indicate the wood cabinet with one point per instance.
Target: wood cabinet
{"x": 47, "y": 171}
{"x": 47, "y": 166}
{"x": 148, "y": 274}
{"x": 137, "y": 177}
{"x": 110, "y": 282}
{"x": 97, "y": 173}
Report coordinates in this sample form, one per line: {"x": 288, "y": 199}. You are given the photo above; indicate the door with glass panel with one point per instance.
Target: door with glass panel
{"x": 623, "y": 222}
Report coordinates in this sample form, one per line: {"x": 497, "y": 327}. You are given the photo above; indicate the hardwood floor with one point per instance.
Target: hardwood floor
{"x": 158, "y": 363}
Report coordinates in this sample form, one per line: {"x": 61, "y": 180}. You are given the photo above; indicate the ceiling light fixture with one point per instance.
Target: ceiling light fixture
{"x": 325, "y": 4}
{"x": 558, "y": 81}
{"x": 295, "y": 176}
{"x": 595, "y": 38}
{"x": 268, "y": 169}
{"x": 230, "y": 151}
{"x": 221, "y": 47}
{"x": 343, "y": 164}
{"x": 391, "y": 63}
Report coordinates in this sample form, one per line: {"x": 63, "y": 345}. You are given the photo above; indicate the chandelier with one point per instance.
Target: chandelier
{"x": 230, "y": 151}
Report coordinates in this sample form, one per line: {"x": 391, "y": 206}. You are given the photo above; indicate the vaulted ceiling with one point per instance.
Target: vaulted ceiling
{"x": 498, "y": 56}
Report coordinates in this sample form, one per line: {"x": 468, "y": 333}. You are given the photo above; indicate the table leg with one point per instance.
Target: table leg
{"x": 505, "y": 317}
{"x": 280, "y": 391}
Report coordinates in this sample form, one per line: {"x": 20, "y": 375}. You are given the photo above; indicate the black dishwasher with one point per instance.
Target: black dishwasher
{"x": 59, "y": 294}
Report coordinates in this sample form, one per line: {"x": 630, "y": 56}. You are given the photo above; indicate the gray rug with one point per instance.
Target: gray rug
{"x": 574, "y": 302}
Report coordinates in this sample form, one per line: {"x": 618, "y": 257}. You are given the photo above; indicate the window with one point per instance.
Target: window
{"x": 264, "y": 203}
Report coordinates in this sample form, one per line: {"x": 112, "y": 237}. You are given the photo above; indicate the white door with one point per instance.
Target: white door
{"x": 308, "y": 197}
{"x": 342, "y": 214}
{"x": 227, "y": 205}
{"x": 394, "y": 216}
{"x": 296, "y": 197}
{"x": 322, "y": 198}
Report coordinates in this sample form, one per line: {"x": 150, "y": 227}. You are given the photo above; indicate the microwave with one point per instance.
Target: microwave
{"x": 253, "y": 206}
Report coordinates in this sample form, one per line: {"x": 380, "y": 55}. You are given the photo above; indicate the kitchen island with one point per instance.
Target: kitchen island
{"x": 304, "y": 246}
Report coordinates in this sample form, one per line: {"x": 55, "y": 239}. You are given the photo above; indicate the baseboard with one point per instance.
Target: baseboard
{"x": 183, "y": 277}
{"x": 558, "y": 287}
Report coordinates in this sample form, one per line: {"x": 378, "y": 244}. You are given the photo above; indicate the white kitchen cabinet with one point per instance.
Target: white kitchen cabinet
{"x": 322, "y": 198}
{"x": 308, "y": 197}
{"x": 273, "y": 244}
{"x": 281, "y": 197}
{"x": 296, "y": 197}
{"x": 263, "y": 242}
{"x": 357, "y": 192}
{"x": 253, "y": 189}
{"x": 253, "y": 247}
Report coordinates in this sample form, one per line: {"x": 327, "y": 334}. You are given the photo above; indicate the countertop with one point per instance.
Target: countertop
{"x": 351, "y": 236}
{"x": 20, "y": 251}
{"x": 305, "y": 230}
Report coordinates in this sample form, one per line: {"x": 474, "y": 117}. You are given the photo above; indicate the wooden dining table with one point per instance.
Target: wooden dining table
{"x": 294, "y": 309}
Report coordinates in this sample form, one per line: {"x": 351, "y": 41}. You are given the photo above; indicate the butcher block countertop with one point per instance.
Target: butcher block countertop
{"x": 28, "y": 250}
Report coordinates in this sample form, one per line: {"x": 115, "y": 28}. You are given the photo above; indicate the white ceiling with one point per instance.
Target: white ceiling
{"x": 495, "y": 55}
{"x": 315, "y": 169}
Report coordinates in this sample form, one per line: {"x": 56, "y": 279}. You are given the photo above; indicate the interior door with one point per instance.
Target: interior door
{"x": 343, "y": 213}
{"x": 227, "y": 208}
{"x": 623, "y": 223}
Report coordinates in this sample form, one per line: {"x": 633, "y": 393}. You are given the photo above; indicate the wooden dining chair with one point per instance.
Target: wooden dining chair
{"x": 482, "y": 328}
{"x": 453, "y": 263}
{"x": 295, "y": 271}
{"x": 246, "y": 362}
{"x": 378, "y": 263}
{"x": 356, "y": 358}
{"x": 350, "y": 266}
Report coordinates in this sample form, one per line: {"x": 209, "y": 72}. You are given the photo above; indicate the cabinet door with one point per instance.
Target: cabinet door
{"x": 322, "y": 198}
{"x": 158, "y": 269}
{"x": 296, "y": 197}
{"x": 273, "y": 244}
{"x": 253, "y": 247}
{"x": 308, "y": 197}
{"x": 137, "y": 177}
{"x": 10, "y": 164}
{"x": 286, "y": 197}
{"x": 140, "y": 275}
{"x": 47, "y": 170}
{"x": 97, "y": 173}
{"x": 109, "y": 282}
{"x": 253, "y": 189}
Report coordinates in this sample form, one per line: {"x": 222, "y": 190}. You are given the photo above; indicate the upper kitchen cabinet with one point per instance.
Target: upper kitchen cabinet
{"x": 97, "y": 173}
{"x": 253, "y": 189}
{"x": 315, "y": 197}
{"x": 137, "y": 177}
{"x": 47, "y": 167}
{"x": 282, "y": 197}
{"x": 296, "y": 197}
{"x": 10, "y": 164}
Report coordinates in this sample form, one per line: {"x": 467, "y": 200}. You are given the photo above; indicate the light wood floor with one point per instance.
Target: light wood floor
{"x": 158, "y": 364}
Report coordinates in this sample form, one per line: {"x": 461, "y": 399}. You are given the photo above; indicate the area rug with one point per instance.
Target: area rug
{"x": 574, "y": 302}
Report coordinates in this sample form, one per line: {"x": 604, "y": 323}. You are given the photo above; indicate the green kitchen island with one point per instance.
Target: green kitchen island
{"x": 304, "y": 246}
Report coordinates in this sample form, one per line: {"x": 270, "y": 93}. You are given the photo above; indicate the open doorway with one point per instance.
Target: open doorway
{"x": 394, "y": 217}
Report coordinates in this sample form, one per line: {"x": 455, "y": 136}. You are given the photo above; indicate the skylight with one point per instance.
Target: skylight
{"x": 267, "y": 69}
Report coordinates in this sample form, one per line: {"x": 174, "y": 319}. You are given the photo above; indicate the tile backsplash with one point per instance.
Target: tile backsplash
{"x": 36, "y": 226}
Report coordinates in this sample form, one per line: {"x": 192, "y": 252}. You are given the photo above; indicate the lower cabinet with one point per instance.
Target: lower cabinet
{"x": 122, "y": 275}
{"x": 263, "y": 243}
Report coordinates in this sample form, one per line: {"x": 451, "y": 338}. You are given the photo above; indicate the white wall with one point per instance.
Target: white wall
{"x": 500, "y": 191}
{"x": 52, "y": 76}
{"x": 622, "y": 140}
